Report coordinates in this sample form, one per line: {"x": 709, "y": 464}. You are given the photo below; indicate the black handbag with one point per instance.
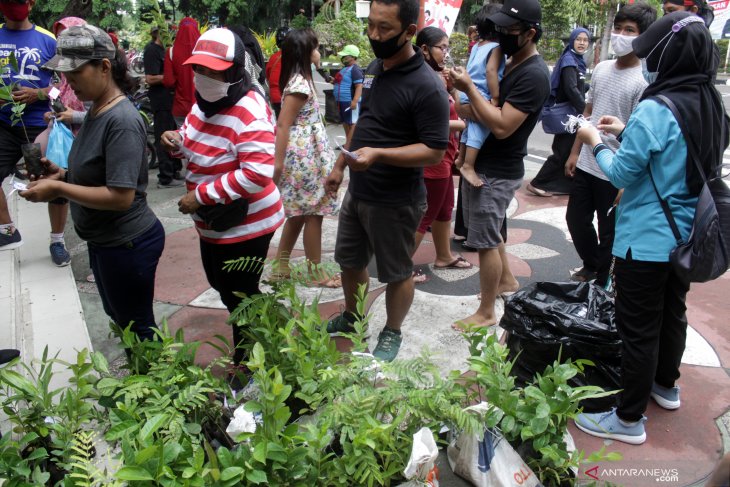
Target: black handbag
{"x": 220, "y": 217}
{"x": 705, "y": 255}
{"x": 554, "y": 116}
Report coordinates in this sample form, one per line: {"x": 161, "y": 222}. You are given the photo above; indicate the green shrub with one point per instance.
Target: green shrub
{"x": 459, "y": 48}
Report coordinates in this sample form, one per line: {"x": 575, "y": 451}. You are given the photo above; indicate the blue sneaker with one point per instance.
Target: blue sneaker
{"x": 59, "y": 254}
{"x": 608, "y": 425}
{"x": 668, "y": 398}
{"x": 12, "y": 241}
{"x": 388, "y": 345}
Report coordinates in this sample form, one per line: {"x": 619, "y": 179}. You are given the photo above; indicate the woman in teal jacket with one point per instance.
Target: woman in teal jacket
{"x": 676, "y": 54}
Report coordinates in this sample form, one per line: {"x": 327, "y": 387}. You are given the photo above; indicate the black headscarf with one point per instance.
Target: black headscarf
{"x": 252, "y": 46}
{"x": 234, "y": 74}
{"x": 683, "y": 57}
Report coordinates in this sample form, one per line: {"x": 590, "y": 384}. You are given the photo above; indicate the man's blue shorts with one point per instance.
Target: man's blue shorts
{"x": 346, "y": 115}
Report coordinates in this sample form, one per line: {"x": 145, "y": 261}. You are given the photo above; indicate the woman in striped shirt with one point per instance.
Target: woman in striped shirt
{"x": 228, "y": 140}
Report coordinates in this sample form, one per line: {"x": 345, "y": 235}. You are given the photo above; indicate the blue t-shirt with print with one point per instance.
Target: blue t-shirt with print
{"x": 350, "y": 76}
{"x": 33, "y": 48}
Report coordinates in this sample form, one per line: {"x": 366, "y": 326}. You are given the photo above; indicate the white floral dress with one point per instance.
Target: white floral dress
{"x": 309, "y": 158}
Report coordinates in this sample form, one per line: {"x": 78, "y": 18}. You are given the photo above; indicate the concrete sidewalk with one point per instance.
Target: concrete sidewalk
{"x": 39, "y": 302}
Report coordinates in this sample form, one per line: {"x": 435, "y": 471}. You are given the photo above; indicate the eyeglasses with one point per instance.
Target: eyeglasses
{"x": 512, "y": 30}
{"x": 444, "y": 49}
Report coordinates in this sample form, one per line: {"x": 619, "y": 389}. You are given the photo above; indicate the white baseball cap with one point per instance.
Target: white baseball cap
{"x": 216, "y": 49}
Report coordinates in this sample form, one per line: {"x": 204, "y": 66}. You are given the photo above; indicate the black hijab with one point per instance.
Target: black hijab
{"x": 235, "y": 74}
{"x": 682, "y": 55}
{"x": 252, "y": 46}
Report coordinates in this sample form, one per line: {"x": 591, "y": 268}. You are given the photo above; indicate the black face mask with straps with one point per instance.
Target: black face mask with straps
{"x": 389, "y": 48}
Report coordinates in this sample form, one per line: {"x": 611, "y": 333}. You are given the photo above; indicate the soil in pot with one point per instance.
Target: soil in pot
{"x": 32, "y": 157}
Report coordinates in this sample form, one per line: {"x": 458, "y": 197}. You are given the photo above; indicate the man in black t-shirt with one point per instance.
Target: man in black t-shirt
{"x": 161, "y": 105}
{"x": 403, "y": 126}
{"x": 524, "y": 89}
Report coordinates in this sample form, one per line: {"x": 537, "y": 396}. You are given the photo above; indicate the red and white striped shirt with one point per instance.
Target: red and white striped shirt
{"x": 230, "y": 156}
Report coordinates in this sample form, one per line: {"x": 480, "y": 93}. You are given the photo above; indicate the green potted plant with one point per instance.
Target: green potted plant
{"x": 31, "y": 151}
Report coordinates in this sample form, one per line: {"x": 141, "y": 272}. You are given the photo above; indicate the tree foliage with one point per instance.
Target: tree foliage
{"x": 103, "y": 13}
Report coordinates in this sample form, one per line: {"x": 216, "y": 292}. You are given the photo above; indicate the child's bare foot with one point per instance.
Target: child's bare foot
{"x": 471, "y": 176}
{"x": 459, "y": 162}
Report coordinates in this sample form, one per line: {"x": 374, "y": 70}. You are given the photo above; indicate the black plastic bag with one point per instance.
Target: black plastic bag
{"x": 579, "y": 317}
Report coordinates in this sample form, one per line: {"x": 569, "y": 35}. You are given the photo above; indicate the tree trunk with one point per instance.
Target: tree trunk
{"x": 78, "y": 8}
{"x": 606, "y": 37}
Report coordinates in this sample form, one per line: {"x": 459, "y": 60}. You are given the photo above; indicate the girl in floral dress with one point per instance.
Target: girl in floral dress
{"x": 303, "y": 157}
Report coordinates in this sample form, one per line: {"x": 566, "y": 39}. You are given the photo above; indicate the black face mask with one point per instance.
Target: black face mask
{"x": 432, "y": 62}
{"x": 387, "y": 49}
{"x": 510, "y": 44}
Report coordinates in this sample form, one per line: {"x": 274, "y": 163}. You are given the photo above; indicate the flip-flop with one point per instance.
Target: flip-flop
{"x": 537, "y": 191}
{"x": 456, "y": 264}
{"x": 419, "y": 277}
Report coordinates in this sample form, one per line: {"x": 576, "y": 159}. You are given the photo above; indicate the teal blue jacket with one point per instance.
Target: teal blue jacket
{"x": 652, "y": 138}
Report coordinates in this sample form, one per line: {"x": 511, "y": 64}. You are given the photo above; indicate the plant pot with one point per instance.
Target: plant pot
{"x": 32, "y": 157}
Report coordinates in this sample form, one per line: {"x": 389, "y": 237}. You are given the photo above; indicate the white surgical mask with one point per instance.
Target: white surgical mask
{"x": 621, "y": 44}
{"x": 649, "y": 76}
{"x": 210, "y": 89}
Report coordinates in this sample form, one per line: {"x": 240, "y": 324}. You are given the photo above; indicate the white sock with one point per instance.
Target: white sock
{"x": 57, "y": 238}
{"x": 7, "y": 228}
{"x": 628, "y": 424}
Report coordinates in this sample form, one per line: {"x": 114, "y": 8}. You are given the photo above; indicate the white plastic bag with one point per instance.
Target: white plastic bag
{"x": 421, "y": 469}
{"x": 243, "y": 422}
{"x": 490, "y": 462}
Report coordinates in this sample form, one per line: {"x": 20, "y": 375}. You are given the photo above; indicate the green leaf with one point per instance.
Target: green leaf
{"x": 18, "y": 382}
{"x": 6, "y": 93}
{"x": 508, "y": 424}
{"x": 134, "y": 473}
{"x": 193, "y": 428}
{"x": 539, "y": 425}
{"x": 231, "y": 472}
{"x": 100, "y": 362}
{"x": 13, "y": 62}
{"x": 259, "y": 452}
{"x": 116, "y": 432}
{"x": 108, "y": 385}
{"x": 152, "y": 425}
{"x": 145, "y": 454}
{"x": 257, "y": 476}
{"x": 37, "y": 453}
{"x": 543, "y": 410}
{"x": 614, "y": 456}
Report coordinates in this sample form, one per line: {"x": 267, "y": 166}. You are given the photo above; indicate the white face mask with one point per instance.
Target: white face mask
{"x": 621, "y": 44}
{"x": 649, "y": 76}
{"x": 210, "y": 89}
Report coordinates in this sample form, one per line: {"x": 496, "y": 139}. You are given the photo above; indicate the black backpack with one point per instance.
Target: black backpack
{"x": 706, "y": 253}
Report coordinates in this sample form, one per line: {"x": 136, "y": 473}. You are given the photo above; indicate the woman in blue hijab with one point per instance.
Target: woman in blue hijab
{"x": 567, "y": 83}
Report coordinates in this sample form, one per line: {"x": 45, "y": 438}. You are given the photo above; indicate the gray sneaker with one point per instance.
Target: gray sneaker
{"x": 388, "y": 345}
{"x": 608, "y": 425}
{"x": 668, "y": 398}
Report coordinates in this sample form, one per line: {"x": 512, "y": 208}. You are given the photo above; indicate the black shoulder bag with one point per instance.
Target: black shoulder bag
{"x": 705, "y": 255}
{"x": 220, "y": 217}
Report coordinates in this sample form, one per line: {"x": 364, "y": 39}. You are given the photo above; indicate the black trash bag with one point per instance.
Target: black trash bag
{"x": 579, "y": 317}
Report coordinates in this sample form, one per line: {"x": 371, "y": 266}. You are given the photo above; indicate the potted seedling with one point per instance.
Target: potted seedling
{"x": 31, "y": 151}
